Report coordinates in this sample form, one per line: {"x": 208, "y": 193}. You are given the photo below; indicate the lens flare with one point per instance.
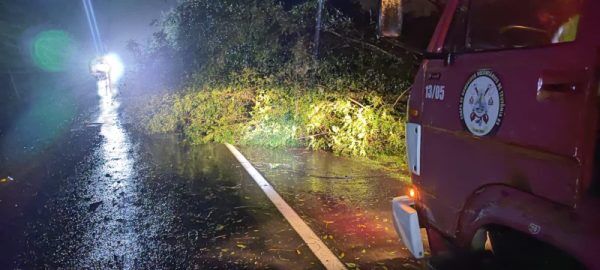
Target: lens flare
{"x": 52, "y": 50}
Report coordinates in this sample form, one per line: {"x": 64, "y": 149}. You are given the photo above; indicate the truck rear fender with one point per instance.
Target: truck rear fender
{"x": 541, "y": 219}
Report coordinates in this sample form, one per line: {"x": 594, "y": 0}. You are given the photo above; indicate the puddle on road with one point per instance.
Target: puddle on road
{"x": 345, "y": 201}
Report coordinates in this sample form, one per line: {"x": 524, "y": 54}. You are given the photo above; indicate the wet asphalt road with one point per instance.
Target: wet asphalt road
{"x": 103, "y": 197}
{"x": 344, "y": 200}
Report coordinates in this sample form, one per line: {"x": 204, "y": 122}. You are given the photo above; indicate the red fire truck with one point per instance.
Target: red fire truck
{"x": 503, "y": 133}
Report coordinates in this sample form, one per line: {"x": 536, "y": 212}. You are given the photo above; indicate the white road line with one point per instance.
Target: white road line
{"x": 325, "y": 255}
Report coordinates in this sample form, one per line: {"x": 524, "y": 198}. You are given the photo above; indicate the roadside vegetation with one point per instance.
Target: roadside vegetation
{"x": 252, "y": 75}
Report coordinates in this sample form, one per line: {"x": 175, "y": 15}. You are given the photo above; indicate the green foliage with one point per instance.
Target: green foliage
{"x": 219, "y": 37}
{"x": 274, "y": 122}
{"x": 218, "y": 115}
{"x": 272, "y": 115}
{"x": 153, "y": 114}
{"x": 348, "y": 127}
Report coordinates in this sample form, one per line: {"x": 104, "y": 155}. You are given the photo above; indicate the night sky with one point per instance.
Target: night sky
{"x": 123, "y": 20}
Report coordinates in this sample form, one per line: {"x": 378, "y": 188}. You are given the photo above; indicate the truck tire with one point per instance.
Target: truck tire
{"x": 516, "y": 250}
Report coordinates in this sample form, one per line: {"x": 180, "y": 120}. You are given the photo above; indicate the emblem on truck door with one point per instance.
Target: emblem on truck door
{"x": 482, "y": 103}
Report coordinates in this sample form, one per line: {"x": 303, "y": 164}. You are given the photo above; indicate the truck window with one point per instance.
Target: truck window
{"x": 457, "y": 34}
{"x": 505, "y": 24}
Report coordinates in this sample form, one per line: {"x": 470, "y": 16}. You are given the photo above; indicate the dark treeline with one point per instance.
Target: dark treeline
{"x": 212, "y": 41}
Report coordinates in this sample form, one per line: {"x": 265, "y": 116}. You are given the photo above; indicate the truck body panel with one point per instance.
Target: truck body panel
{"x": 508, "y": 135}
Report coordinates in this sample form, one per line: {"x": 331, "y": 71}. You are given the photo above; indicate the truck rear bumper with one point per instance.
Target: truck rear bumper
{"x": 406, "y": 222}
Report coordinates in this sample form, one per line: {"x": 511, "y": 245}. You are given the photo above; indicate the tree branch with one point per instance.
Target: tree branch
{"x": 401, "y": 96}
{"x": 356, "y": 102}
{"x": 405, "y": 47}
{"x": 366, "y": 44}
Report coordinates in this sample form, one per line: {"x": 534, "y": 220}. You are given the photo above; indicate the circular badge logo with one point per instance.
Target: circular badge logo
{"x": 482, "y": 103}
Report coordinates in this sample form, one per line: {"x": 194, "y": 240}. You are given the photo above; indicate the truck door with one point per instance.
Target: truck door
{"x": 515, "y": 90}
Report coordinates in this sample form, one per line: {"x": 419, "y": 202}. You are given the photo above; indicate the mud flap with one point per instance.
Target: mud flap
{"x": 406, "y": 222}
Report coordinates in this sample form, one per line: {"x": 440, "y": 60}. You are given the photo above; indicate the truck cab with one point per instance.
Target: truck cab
{"x": 503, "y": 132}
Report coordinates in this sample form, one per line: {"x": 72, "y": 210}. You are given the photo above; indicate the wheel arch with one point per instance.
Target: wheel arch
{"x": 522, "y": 212}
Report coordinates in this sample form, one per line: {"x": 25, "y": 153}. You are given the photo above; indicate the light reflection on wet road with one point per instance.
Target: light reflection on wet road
{"x": 114, "y": 189}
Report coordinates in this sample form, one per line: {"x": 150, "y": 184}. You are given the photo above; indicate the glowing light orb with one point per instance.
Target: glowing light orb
{"x": 52, "y": 50}
{"x": 116, "y": 66}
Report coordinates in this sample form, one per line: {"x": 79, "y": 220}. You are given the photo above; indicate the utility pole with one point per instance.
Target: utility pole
{"x": 318, "y": 27}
